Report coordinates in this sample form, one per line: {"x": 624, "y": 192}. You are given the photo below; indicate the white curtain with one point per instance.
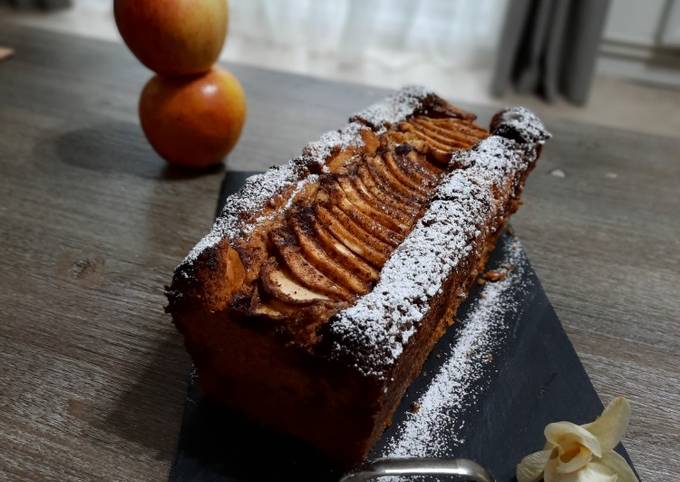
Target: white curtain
{"x": 393, "y": 33}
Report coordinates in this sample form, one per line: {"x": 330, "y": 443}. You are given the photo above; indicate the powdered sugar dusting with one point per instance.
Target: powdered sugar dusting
{"x": 435, "y": 428}
{"x": 521, "y": 124}
{"x": 255, "y": 193}
{"x": 395, "y": 108}
{"x": 374, "y": 330}
{"x": 320, "y": 150}
{"x": 234, "y": 221}
{"x": 259, "y": 189}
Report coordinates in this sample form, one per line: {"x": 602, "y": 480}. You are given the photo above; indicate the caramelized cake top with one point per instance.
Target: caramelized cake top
{"x": 352, "y": 239}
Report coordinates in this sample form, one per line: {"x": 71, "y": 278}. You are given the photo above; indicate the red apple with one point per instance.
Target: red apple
{"x": 193, "y": 121}
{"x": 173, "y": 37}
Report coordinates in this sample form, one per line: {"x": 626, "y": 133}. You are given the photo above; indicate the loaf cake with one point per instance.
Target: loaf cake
{"x": 325, "y": 282}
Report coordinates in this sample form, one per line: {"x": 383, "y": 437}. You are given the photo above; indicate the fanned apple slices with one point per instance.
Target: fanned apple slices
{"x": 329, "y": 246}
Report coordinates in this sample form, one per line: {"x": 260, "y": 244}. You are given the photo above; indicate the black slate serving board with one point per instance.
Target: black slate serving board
{"x": 535, "y": 378}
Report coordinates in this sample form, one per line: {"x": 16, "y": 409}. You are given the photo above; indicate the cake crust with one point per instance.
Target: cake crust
{"x": 324, "y": 283}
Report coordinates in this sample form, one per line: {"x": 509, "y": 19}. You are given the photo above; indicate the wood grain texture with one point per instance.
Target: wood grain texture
{"x": 92, "y": 373}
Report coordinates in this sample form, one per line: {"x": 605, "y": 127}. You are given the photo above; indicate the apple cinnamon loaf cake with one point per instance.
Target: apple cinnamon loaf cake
{"x": 324, "y": 283}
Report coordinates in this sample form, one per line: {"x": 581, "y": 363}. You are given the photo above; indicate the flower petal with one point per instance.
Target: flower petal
{"x": 530, "y": 469}
{"x": 550, "y": 473}
{"x": 612, "y": 424}
{"x": 565, "y": 433}
{"x": 573, "y": 460}
{"x": 619, "y": 466}
{"x": 593, "y": 472}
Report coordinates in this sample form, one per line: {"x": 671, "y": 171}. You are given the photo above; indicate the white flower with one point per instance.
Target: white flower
{"x": 582, "y": 453}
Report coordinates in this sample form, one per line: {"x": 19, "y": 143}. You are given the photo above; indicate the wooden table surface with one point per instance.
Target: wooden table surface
{"x": 92, "y": 373}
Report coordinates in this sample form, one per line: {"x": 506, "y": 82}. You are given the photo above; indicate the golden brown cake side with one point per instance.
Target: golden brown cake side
{"x": 324, "y": 284}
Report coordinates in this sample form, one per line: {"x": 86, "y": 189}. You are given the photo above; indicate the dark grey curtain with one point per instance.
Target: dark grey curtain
{"x": 40, "y": 4}
{"x": 550, "y": 47}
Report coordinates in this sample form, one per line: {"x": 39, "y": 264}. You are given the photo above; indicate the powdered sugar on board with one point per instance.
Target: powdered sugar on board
{"x": 433, "y": 430}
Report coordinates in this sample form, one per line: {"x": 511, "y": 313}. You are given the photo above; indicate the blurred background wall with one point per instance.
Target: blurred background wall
{"x": 453, "y": 46}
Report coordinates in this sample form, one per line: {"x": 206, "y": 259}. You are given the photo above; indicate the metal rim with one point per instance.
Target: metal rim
{"x": 461, "y": 469}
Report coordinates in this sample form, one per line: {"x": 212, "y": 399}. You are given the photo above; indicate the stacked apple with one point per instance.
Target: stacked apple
{"x": 191, "y": 111}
